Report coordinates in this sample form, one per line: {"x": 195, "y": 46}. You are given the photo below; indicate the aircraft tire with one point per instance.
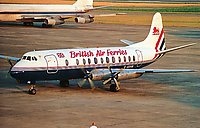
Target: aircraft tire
{"x": 46, "y": 25}
{"x": 113, "y": 88}
{"x": 32, "y": 91}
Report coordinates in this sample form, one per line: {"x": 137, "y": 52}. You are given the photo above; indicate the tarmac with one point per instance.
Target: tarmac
{"x": 153, "y": 101}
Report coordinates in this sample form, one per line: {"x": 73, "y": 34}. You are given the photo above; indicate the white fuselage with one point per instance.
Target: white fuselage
{"x": 89, "y": 58}
{"x": 14, "y": 12}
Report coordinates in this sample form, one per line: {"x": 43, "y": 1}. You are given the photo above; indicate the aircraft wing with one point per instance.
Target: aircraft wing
{"x": 159, "y": 70}
{"x": 42, "y": 18}
{"x": 143, "y": 71}
{"x": 10, "y": 58}
{"x": 111, "y": 14}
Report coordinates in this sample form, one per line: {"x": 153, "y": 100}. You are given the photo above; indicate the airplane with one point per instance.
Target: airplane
{"x": 107, "y": 64}
{"x": 48, "y": 15}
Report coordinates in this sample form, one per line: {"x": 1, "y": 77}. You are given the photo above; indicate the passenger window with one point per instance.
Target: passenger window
{"x": 113, "y": 59}
{"x": 89, "y": 61}
{"x": 124, "y": 58}
{"x": 107, "y": 60}
{"x": 133, "y": 58}
{"x": 77, "y": 62}
{"x": 84, "y": 61}
{"x": 119, "y": 59}
{"x": 28, "y": 58}
{"x": 102, "y": 60}
{"x": 129, "y": 58}
{"x": 95, "y": 60}
{"x": 66, "y": 62}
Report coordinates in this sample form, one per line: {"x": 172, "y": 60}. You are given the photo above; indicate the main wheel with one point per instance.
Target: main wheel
{"x": 46, "y": 25}
{"x": 113, "y": 88}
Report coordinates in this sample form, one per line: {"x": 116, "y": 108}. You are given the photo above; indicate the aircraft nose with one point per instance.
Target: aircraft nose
{"x": 16, "y": 74}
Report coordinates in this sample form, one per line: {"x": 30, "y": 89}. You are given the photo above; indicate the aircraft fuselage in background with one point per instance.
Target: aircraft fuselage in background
{"x": 49, "y": 15}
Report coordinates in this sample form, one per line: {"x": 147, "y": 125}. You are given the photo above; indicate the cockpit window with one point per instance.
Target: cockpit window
{"x": 30, "y": 58}
{"x": 34, "y": 58}
{"x": 24, "y": 58}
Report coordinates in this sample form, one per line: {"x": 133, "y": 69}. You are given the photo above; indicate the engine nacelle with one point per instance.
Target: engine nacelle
{"x": 105, "y": 74}
{"x": 53, "y": 22}
{"x": 50, "y": 22}
{"x": 84, "y": 19}
{"x": 128, "y": 75}
{"x": 102, "y": 74}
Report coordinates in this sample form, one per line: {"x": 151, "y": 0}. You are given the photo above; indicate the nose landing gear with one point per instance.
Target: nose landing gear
{"x": 32, "y": 90}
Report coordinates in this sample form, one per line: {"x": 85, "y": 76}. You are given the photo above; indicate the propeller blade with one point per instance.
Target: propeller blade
{"x": 117, "y": 84}
{"x": 82, "y": 82}
{"x": 91, "y": 83}
{"x": 106, "y": 81}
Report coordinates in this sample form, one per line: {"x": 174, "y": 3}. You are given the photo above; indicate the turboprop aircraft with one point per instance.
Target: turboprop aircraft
{"x": 48, "y": 15}
{"x": 107, "y": 64}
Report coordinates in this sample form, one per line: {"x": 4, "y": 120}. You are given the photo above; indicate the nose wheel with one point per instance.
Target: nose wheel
{"x": 32, "y": 90}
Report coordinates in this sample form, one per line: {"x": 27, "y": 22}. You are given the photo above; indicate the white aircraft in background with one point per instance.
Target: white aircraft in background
{"x": 108, "y": 64}
{"x": 49, "y": 15}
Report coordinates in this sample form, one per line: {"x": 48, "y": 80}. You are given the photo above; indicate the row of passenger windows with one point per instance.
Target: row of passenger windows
{"x": 107, "y": 60}
{"x": 30, "y": 58}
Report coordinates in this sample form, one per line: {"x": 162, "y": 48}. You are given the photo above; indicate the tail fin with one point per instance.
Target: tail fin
{"x": 86, "y": 4}
{"x": 156, "y": 38}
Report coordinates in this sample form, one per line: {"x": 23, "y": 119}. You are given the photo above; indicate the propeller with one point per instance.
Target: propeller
{"x": 87, "y": 77}
{"x": 113, "y": 78}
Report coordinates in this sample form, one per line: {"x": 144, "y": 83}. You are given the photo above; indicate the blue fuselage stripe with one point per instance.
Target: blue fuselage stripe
{"x": 59, "y": 75}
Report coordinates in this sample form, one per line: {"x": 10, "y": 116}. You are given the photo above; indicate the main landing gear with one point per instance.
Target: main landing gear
{"x": 46, "y": 25}
{"x": 114, "y": 88}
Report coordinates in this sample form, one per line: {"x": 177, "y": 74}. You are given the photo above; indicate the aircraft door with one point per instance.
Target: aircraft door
{"x": 52, "y": 64}
{"x": 139, "y": 58}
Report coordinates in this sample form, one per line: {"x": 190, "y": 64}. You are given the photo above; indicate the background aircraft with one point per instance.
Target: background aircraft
{"x": 49, "y": 15}
{"x": 107, "y": 64}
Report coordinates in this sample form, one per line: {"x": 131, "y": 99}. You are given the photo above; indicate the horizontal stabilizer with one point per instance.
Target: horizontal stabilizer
{"x": 127, "y": 42}
{"x": 175, "y": 48}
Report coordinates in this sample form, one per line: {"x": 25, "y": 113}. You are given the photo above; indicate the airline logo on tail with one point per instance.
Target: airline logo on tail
{"x": 156, "y": 31}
